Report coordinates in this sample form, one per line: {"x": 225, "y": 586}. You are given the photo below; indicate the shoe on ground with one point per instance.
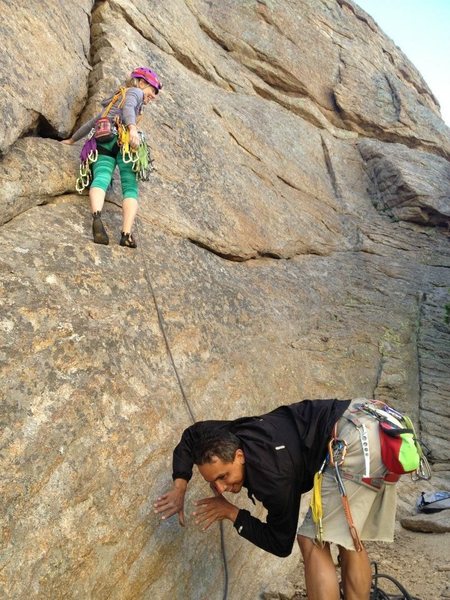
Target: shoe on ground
{"x": 127, "y": 240}
{"x": 98, "y": 230}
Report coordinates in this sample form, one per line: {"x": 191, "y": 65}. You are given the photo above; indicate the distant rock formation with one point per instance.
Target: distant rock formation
{"x": 294, "y": 240}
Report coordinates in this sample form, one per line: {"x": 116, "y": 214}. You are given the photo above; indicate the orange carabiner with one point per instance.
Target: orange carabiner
{"x": 337, "y": 449}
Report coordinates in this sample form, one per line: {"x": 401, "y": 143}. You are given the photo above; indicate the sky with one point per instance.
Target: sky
{"x": 421, "y": 29}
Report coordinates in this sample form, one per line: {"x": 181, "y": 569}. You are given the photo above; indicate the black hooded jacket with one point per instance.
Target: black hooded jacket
{"x": 283, "y": 450}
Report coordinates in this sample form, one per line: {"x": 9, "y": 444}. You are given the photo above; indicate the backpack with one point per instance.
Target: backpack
{"x": 401, "y": 450}
{"x": 431, "y": 502}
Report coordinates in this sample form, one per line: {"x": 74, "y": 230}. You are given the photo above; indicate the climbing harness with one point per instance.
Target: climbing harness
{"x": 105, "y": 131}
{"x": 140, "y": 157}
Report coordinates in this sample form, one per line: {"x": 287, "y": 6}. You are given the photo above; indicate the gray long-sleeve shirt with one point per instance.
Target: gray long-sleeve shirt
{"x": 132, "y": 108}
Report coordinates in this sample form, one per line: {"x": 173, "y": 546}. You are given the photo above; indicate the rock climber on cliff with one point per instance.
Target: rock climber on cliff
{"x": 114, "y": 140}
{"x": 277, "y": 457}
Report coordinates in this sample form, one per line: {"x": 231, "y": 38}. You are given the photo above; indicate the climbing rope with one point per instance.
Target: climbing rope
{"x": 376, "y": 593}
{"x": 163, "y": 328}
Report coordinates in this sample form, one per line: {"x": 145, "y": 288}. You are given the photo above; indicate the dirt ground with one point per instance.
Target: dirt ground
{"x": 419, "y": 561}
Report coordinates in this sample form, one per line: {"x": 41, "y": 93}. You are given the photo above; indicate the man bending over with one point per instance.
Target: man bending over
{"x": 275, "y": 457}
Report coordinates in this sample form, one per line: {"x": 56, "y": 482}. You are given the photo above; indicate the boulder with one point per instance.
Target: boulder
{"x": 432, "y": 523}
{"x": 407, "y": 184}
{"x": 31, "y": 175}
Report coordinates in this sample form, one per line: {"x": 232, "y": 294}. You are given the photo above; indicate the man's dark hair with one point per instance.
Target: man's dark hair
{"x": 222, "y": 444}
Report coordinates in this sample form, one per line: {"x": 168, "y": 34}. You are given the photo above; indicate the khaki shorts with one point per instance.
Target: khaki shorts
{"x": 373, "y": 511}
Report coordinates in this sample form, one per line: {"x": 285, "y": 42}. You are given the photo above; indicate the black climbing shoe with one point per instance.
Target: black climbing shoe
{"x": 98, "y": 229}
{"x": 128, "y": 240}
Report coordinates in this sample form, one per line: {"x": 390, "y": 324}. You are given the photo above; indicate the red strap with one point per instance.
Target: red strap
{"x": 351, "y": 525}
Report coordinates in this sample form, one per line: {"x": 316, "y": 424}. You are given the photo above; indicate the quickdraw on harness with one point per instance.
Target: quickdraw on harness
{"x": 88, "y": 155}
{"x": 337, "y": 449}
{"x": 316, "y": 502}
{"x": 143, "y": 165}
{"x": 140, "y": 156}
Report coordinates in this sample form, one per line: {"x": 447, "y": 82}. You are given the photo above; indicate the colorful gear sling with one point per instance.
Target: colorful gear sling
{"x": 401, "y": 452}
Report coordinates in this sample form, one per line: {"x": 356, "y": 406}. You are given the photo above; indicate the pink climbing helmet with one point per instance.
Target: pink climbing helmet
{"x": 147, "y": 75}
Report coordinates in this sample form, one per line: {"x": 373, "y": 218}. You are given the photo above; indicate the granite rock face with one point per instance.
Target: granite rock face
{"x": 408, "y": 185}
{"x": 292, "y": 244}
{"x": 44, "y": 66}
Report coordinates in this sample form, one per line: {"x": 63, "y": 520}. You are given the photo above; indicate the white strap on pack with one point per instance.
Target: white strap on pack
{"x": 364, "y": 439}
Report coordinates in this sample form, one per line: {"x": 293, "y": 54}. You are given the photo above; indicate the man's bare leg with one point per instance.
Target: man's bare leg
{"x": 356, "y": 574}
{"x": 320, "y": 572}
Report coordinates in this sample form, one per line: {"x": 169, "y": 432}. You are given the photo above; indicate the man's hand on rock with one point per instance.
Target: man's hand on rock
{"x": 172, "y": 502}
{"x": 214, "y": 509}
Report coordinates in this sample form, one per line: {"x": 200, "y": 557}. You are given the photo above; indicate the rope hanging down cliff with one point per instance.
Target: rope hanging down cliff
{"x": 162, "y": 327}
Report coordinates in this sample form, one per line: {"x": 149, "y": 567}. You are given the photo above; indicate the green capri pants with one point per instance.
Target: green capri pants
{"x": 104, "y": 166}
